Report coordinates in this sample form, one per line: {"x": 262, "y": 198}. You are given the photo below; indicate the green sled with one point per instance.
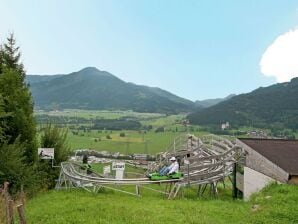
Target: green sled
{"x": 156, "y": 176}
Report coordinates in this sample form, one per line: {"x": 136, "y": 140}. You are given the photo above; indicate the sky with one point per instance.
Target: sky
{"x": 194, "y": 49}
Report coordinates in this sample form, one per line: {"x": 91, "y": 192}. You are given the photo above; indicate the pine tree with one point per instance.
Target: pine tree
{"x": 18, "y": 146}
{"x": 17, "y": 101}
{"x": 11, "y": 56}
{"x": 1, "y": 58}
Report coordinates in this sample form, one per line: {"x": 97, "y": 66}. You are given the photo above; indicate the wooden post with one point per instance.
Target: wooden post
{"x": 234, "y": 181}
{"x": 188, "y": 180}
{"x": 138, "y": 193}
{"x": 22, "y": 195}
{"x": 21, "y": 214}
{"x": 6, "y": 199}
{"x": 10, "y": 212}
{"x": 5, "y": 188}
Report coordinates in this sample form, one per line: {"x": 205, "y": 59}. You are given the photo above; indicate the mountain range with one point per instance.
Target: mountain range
{"x": 211, "y": 102}
{"x": 91, "y": 88}
{"x": 266, "y": 106}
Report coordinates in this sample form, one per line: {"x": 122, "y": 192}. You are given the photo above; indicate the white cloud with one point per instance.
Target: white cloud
{"x": 280, "y": 59}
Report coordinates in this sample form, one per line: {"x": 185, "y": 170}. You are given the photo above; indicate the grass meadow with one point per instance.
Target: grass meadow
{"x": 275, "y": 204}
{"x": 134, "y": 141}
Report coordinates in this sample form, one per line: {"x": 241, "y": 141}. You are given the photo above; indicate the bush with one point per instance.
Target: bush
{"x": 56, "y": 138}
{"x": 122, "y": 134}
{"x": 159, "y": 129}
{"x": 108, "y": 137}
{"x": 15, "y": 170}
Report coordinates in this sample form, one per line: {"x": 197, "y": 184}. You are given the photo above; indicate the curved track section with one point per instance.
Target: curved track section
{"x": 73, "y": 175}
{"x": 208, "y": 161}
{"x": 204, "y": 161}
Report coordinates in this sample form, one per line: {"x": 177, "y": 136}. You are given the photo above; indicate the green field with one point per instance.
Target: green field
{"x": 154, "y": 119}
{"x": 135, "y": 141}
{"x": 132, "y": 142}
{"x": 276, "y": 204}
{"x": 92, "y": 114}
{"x": 144, "y": 140}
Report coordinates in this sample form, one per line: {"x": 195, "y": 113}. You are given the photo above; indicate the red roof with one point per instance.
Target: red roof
{"x": 282, "y": 152}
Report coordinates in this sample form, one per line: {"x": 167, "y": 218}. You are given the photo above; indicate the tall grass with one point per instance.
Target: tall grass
{"x": 78, "y": 206}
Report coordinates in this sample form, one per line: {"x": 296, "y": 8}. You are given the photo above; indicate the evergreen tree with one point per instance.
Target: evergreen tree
{"x": 2, "y": 120}
{"x": 1, "y": 58}
{"x": 13, "y": 167}
{"x": 18, "y": 144}
{"x": 11, "y": 56}
{"x": 17, "y": 101}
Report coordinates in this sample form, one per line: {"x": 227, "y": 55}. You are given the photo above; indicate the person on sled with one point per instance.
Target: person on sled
{"x": 171, "y": 169}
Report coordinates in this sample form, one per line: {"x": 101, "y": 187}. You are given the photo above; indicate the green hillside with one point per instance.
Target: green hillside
{"x": 276, "y": 204}
{"x": 274, "y": 105}
{"x": 90, "y": 88}
{"x": 40, "y": 78}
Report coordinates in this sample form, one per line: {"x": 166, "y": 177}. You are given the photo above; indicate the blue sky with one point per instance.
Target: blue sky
{"x": 195, "y": 49}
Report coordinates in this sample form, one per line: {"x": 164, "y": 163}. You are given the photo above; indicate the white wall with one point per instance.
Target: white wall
{"x": 254, "y": 181}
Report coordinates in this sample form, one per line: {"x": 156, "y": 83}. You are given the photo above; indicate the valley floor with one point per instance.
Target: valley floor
{"x": 275, "y": 204}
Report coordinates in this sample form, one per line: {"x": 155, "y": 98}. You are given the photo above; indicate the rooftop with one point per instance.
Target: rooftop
{"x": 282, "y": 152}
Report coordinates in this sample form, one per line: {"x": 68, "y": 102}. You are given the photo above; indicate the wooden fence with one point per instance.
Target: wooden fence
{"x": 9, "y": 207}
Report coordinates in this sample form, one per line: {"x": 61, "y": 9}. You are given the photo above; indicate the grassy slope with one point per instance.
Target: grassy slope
{"x": 109, "y": 207}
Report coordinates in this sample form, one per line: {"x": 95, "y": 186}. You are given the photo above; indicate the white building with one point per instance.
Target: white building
{"x": 225, "y": 126}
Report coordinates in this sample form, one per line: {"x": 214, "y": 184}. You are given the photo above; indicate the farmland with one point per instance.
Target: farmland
{"x": 156, "y": 132}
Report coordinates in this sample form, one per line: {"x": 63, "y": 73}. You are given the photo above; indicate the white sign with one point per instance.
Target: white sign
{"x": 46, "y": 153}
{"x": 106, "y": 170}
{"x": 118, "y": 166}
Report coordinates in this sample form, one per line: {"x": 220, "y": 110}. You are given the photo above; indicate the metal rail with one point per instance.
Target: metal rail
{"x": 206, "y": 164}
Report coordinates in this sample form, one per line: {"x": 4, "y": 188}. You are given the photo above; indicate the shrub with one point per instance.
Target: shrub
{"x": 160, "y": 129}
{"x": 56, "y": 138}
{"x": 14, "y": 169}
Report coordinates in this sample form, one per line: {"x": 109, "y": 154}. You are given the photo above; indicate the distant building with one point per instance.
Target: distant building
{"x": 268, "y": 160}
{"x": 225, "y": 126}
{"x": 257, "y": 134}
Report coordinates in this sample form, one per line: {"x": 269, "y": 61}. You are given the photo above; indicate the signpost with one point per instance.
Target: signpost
{"x": 46, "y": 153}
{"x": 119, "y": 167}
